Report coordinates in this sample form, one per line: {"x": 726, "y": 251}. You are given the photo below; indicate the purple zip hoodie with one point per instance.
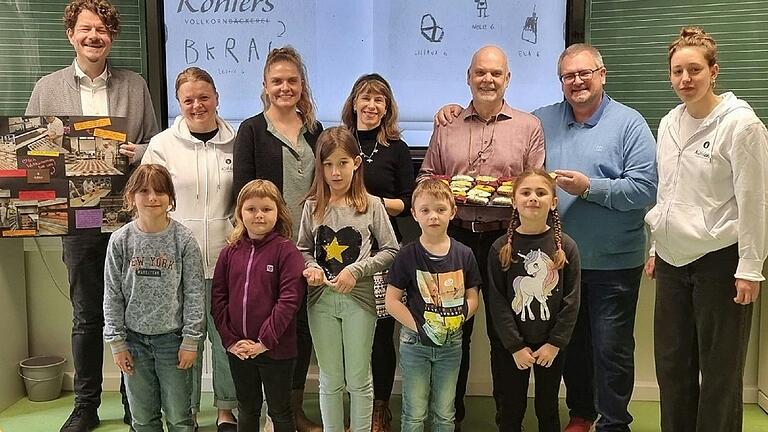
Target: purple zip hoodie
{"x": 257, "y": 289}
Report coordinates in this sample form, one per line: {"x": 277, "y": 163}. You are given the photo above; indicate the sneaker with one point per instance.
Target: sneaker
{"x": 578, "y": 424}
{"x": 82, "y": 419}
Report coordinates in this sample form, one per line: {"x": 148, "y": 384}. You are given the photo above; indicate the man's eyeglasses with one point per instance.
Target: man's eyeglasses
{"x": 584, "y": 75}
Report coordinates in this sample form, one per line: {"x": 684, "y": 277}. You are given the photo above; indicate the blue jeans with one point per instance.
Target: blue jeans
{"x": 157, "y": 383}
{"x": 429, "y": 382}
{"x": 343, "y": 334}
{"x": 599, "y": 365}
{"x": 224, "y": 395}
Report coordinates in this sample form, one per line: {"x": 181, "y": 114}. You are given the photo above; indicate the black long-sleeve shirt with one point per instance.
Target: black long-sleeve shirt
{"x": 519, "y": 325}
{"x": 390, "y": 174}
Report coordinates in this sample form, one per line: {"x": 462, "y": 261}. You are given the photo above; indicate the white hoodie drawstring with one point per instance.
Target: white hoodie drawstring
{"x": 197, "y": 175}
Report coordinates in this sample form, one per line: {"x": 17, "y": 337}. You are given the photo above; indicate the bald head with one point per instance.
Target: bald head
{"x": 488, "y": 78}
{"x": 490, "y": 52}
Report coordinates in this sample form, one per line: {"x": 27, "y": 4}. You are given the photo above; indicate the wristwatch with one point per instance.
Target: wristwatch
{"x": 585, "y": 194}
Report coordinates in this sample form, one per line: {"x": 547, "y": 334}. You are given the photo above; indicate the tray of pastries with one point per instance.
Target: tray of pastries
{"x": 480, "y": 191}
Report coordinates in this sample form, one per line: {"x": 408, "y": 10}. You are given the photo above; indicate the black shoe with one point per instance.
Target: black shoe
{"x": 82, "y": 419}
{"x": 225, "y": 427}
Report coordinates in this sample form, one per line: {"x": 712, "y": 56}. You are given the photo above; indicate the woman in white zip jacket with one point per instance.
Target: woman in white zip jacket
{"x": 710, "y": 236}
{"x": 197, "y": 151}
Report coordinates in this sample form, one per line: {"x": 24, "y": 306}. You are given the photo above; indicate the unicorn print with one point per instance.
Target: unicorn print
{"x": 542, "y": 279}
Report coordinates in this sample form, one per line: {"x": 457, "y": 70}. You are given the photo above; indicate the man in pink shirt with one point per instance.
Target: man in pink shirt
{"x": 488, "y": 138}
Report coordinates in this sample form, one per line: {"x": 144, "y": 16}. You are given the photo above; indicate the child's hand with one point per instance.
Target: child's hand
{"x": 344, "y": 282}
{"x": 524, "y": 358}
{"x": 124, "y": 361}
{"x": 546, "y": 355}
{"x": 257, "y": 349}
{"x": 315, "y": 276}
{"x": 239, "y": 349}
{"x": 186, "y": 359}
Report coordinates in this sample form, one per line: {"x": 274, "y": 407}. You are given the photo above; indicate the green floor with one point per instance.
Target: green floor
{"x": 26, "y": 416}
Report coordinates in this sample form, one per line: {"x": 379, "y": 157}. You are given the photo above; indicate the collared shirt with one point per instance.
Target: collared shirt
{"x": 93, "y": 93}
{"x": 593, "y": 119}
{"x": 298, "y": 172}
{"x": 504, "y": 146}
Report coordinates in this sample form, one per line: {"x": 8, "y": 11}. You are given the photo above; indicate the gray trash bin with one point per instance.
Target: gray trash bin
{"x": 42, "y": 377}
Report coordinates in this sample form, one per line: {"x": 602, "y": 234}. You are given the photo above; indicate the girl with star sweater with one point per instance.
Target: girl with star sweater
{"x": 339, "y": 224}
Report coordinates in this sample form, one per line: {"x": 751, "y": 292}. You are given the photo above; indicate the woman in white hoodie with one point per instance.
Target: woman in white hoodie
{"x": 197, "y": 151}
{"x": 710, "y": 232}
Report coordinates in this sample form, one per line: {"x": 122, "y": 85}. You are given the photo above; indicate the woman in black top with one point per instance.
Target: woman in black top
{"x": 370, "y": 112}
{"x": 278, "y": 145}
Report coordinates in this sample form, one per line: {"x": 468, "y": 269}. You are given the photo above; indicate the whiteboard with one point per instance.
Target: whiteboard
{"x": 422, "y": 47}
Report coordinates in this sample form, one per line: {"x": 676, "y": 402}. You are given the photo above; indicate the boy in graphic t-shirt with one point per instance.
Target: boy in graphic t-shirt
{"x": 440, "y": 277}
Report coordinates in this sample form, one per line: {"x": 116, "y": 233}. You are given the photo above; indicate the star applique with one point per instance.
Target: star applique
{"x": 334, "y": 250}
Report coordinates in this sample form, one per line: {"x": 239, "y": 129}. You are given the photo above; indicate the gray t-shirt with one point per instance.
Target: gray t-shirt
{"x": 153, "y": 284}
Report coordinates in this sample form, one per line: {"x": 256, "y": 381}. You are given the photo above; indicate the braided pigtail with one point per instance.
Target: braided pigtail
{"x": 506, "y": 254}
{"x": 559, "y": 259}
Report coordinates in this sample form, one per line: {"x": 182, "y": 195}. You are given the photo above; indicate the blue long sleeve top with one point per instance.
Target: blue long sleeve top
{"x": 616, "y": 150}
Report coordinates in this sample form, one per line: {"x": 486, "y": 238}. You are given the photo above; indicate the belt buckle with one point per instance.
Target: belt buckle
{"x": 472, "y": 227}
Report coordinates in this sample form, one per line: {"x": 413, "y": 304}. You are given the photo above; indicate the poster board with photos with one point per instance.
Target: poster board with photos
{"x": 61, "y": 175}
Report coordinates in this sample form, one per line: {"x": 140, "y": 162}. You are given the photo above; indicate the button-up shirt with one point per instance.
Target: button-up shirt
{"x": 504, "y": 146}
{"x": 93, "y": 93}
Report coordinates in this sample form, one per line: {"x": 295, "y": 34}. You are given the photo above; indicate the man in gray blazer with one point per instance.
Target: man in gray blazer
{"x": 90, "y": 86}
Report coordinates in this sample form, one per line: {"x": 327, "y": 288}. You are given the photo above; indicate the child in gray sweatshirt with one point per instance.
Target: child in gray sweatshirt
{"x": 154, "y": 303}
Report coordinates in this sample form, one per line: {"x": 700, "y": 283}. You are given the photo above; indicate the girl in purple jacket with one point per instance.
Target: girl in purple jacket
{"x": 257, "y": 288}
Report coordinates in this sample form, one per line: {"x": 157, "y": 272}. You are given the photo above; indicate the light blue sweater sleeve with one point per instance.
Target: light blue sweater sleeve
{"x": 636, "y": 187}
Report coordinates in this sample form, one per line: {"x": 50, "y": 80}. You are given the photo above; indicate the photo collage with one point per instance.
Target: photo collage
{"x": 61, "y": 175}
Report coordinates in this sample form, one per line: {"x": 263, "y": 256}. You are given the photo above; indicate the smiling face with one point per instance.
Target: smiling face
{"x": 370, "y": 108}
{"x": 534, "y": 199}
{"x": 432, "y": 214}
{"x": 339, "y": 169}
{"x": 690, "y": 74}
{"x": 488, "y": 76}
{"x": 151, "y": 205}
{"x": 259, "y": 215}
{"x": 90, "y": 38}
{"x": 198, "y": 101}
{"x": 282, "y": 84}
{"x": 580, "y": 93}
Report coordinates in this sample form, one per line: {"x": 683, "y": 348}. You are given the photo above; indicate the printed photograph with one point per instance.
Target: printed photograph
{"x": 87, "y": 192}
{"x": 52, "y": 217}
{"x": 94, "y": 156}
{"x": 114, "y": 214}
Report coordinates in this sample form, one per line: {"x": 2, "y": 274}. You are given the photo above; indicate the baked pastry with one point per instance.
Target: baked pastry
{"x": 502, "y": 201}
{"x": 506, "y": 190}
{"x": 474, "y": 199}
{"x": 461, "y": 177}
{"x": 475, "y": 191}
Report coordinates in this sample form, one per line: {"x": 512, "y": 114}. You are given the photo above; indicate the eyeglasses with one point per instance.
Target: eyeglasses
{"x": 584, "y": 75}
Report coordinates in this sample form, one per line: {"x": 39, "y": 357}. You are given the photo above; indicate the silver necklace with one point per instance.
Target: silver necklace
{"x": 368, "y": 158}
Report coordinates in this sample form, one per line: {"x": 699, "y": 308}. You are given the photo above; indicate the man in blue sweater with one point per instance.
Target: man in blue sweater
{"x": 605, "y": 158}
{"x": 604, "y": 155}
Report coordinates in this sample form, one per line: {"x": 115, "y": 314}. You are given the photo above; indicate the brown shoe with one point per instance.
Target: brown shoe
{"x": 382, "y": 417}
{"x": 303, "y": 424}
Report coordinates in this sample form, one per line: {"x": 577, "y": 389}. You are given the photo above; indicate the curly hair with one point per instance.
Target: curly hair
{"x": 106, "y": 12}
